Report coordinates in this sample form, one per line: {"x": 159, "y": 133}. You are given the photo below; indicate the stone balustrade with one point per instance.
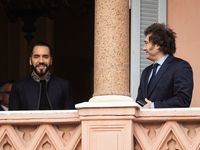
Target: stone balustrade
{"x": 40, "y": 130}
{"x": 122, "y": 126}
{"x": 167, "y": 129}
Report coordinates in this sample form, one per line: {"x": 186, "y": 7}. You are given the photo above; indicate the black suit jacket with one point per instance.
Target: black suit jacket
{"x": 172, "y": 85}
{"x": 25, "y": 94}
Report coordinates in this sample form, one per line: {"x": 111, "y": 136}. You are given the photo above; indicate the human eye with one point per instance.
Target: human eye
{"x": 46, "y": 56}
{"x": 146, "y": 42}
{"x": 35, "y": 56}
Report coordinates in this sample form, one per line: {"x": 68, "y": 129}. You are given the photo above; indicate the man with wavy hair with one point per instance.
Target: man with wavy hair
{"x": 168, "y": 82}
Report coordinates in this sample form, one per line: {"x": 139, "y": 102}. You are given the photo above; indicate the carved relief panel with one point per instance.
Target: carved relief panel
{"x": 40, "y": 137}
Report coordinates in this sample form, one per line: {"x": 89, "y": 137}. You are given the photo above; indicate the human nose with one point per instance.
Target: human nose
{"x": 41, "y": 60}
{"x": 144, "y": 48}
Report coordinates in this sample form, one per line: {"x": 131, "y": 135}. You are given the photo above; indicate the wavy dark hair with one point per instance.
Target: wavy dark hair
{"x": 163, "y": 37}
{"x": 41, "y": 44}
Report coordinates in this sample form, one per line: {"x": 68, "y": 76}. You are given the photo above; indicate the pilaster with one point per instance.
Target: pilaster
{"x": 107, "y": 125}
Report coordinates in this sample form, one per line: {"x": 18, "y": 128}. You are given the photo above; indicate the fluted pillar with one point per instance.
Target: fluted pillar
{"x": 111, "y": 51}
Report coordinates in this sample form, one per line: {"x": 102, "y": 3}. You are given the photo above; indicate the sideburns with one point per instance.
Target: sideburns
{"x": 152, "y": 47}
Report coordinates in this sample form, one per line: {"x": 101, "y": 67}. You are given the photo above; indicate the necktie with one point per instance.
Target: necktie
{"x": 153, "y": 75}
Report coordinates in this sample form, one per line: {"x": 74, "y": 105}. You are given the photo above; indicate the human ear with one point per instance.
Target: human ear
{"x": 51, "y": 61}
{"x": 157, "y": 47}
{"x": 30, "y": 61}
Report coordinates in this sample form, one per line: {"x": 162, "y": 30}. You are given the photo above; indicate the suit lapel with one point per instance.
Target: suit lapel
{"x": 146, "y": 79}
{"x": 160, "y": 73}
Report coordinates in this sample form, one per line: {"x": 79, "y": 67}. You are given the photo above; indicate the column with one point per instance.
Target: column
{"x": 111, "y": 50}
{"x": 107, "y": 119}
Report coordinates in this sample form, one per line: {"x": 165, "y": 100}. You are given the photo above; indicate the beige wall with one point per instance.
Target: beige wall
{"x": 183, "y": 17}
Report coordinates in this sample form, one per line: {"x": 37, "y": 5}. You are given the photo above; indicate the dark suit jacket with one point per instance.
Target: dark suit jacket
{"x": 172, "y": 85}
{"x": 25, "y": 94}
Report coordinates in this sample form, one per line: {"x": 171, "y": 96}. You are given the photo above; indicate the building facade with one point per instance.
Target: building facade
{"x": 110, "y": 119}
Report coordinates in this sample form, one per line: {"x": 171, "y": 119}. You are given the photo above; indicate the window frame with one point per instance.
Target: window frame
{"x": 135, "y": 40}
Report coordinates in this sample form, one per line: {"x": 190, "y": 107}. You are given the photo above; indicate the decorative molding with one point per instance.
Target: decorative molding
{"x": 93, "y": 128}
{"x": 32, "y": 134}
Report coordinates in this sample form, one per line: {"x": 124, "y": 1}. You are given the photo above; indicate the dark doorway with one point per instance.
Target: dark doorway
{"x": 71, "y": 37}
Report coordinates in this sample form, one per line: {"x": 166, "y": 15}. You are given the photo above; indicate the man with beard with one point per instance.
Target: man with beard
{"x": 41, "y": 90}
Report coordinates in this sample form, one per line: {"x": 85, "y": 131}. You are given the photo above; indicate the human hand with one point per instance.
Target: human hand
{"x": 148, "y": 105}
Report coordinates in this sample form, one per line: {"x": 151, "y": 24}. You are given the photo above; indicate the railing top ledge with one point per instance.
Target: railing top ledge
{"x": 169, "y": 114}
{"x": 39, "y": 112}
{"x": 39, "y": 117}
{"x": 172, "y": 109}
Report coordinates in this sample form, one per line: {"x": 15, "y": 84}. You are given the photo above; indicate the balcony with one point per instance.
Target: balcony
{"x": 114, "y": 126}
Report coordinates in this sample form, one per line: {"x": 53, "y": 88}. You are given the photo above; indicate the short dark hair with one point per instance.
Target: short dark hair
{"x": 163, "y": 37}
{"x": 41, "y": 44}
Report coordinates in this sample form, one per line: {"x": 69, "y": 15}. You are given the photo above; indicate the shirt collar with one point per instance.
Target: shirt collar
{"x": 37, "y": 79}
{"x": 4, "y": 107}
{"x": 161, "y": 61}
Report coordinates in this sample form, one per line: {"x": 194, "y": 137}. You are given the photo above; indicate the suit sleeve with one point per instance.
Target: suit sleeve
{"x": 182, "y": 87}
{"x": 141, "y": 90}
{"x": 140, "y": 95}
{"x": 69, "y": 101}
{"x": 14, "y": 102}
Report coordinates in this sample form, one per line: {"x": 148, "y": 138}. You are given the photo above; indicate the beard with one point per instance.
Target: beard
{"x": 41, "y": 72}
